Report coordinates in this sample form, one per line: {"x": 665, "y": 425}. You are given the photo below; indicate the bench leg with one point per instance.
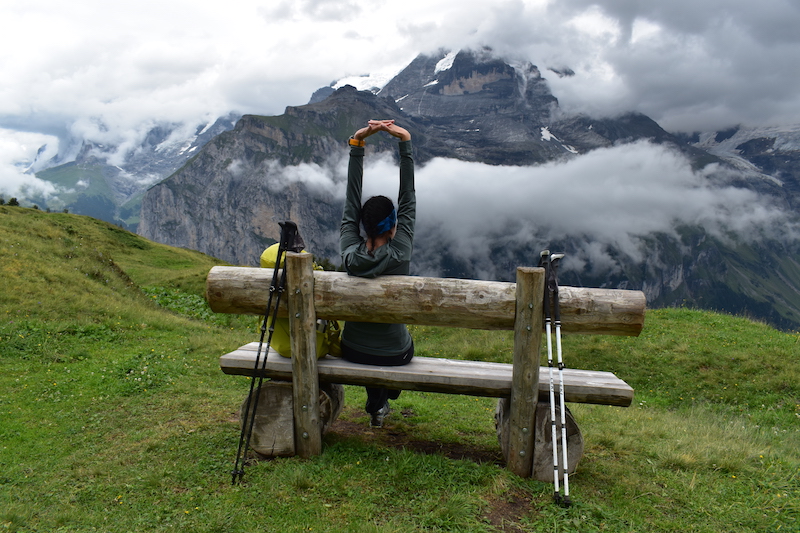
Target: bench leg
{"x": 305, "y": 378}
{"x": 528, "y": 324}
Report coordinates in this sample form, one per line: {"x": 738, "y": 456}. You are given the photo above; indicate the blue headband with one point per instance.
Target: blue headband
{"x": 387, "y": 223}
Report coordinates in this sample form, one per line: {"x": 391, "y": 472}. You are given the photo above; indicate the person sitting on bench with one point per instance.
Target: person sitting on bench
{"x": 386, "y": 250}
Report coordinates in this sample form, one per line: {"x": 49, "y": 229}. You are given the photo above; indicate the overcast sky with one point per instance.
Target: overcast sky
{"x": 107, "y": 71}
{"x": 688, "y": 64}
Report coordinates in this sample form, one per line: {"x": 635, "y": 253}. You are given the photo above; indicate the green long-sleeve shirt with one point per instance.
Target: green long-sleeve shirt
{"x": 392, "y": 258}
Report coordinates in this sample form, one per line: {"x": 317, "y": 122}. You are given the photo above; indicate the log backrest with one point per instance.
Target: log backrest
{"x": 431, "y": 301}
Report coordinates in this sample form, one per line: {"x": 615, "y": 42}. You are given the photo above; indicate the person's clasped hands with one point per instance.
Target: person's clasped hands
{"x": 374, "y": 126}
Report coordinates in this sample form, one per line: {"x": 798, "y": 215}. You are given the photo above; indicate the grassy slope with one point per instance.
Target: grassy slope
{"x": 114, "y": 415}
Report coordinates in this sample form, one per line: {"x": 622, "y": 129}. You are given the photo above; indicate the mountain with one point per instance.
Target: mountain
{"x": 474, "y": 108}
{"x": 770, "y": 156}
{"x": 226, "y": 199}
{"x": 229, "y": 197}
{"x": 92, "y": 183}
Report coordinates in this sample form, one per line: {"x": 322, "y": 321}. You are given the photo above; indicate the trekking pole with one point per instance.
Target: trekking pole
{"x": 544, "y": 261}
{"x": 553, "y": 281}
{"x": 290, "y": 240}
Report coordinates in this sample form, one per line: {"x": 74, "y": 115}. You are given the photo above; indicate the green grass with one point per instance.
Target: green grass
{"x": 114, "y": 415}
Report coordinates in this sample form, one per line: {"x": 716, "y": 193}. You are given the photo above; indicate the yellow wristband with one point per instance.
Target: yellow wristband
{"x": 355, "y": 142}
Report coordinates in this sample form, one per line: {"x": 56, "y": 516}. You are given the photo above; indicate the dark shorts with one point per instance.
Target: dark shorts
{"x": 355, "y": 356}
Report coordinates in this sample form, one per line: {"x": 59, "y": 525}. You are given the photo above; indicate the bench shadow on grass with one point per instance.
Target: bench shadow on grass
{"x": 352, "y": 423}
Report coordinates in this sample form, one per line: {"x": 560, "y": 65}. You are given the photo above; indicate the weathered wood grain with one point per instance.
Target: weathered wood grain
{"x": 525, "y": 373}
{"x": 420, "y": 300}
{"x": 302, "y": 323}
{"x": 451, "y": 376}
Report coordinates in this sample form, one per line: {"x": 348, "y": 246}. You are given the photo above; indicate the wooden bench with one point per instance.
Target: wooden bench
{"x": 427, "y": 301}
{"x": 451, "y": 376}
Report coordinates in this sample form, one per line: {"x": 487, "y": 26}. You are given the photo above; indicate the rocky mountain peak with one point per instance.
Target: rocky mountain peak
{"x": 464, "y": 83}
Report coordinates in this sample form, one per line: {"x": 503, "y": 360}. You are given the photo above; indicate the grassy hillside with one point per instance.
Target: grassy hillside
{"x": 114, "y": 415}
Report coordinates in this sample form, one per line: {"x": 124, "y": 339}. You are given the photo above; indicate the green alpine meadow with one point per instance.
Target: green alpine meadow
{"x": 115, "y": 416}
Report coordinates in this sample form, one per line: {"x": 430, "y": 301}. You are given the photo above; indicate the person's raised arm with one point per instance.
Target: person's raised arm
{"x": 406, "y": 200}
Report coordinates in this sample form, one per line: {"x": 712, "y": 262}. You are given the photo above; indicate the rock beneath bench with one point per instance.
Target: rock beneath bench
{"x": 273, "y": 428}
{"x": 543, "y": 440}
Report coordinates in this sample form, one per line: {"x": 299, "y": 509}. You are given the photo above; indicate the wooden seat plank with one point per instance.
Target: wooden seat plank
{"x": 473, "y": 378}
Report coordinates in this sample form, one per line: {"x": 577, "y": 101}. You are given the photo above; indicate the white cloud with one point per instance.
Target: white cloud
{"x": 327, "y": 179}
{"x": 611, "y": 197}
{"x": 692, "y": 65}
{"x": 18, "y": 152}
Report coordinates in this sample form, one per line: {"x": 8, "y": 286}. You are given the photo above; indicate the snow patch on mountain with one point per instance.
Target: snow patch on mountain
{"x": 787, "y": 138}
{"x": 547, "y": 136}
{"x": 369, "y": 82}
{"x": 446, "y": 63}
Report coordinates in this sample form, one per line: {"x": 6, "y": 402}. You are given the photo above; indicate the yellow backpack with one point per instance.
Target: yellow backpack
{"x": 329, "y": 332}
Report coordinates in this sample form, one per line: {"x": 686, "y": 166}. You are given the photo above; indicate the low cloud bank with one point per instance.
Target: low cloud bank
{"x": 18, "y": 157}
{"x": 608, "y": 198}
{"x": 605, "y": 202}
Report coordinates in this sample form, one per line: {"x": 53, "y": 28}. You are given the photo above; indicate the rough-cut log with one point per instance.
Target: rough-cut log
{"x": 430, "y": 374}
{"x": 525, "y": 374}
{"x": 302, "y": 321}
{"x": 471, "y": 304}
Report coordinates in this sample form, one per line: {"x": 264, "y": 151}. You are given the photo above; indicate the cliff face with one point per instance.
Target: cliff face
{"x": 479, "y": 108}
{"x": 228, "y": 200}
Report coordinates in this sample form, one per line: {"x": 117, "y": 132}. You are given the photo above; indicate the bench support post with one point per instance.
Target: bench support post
{"x": 305, "y": 381}
{"x": 525, "y": 376}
